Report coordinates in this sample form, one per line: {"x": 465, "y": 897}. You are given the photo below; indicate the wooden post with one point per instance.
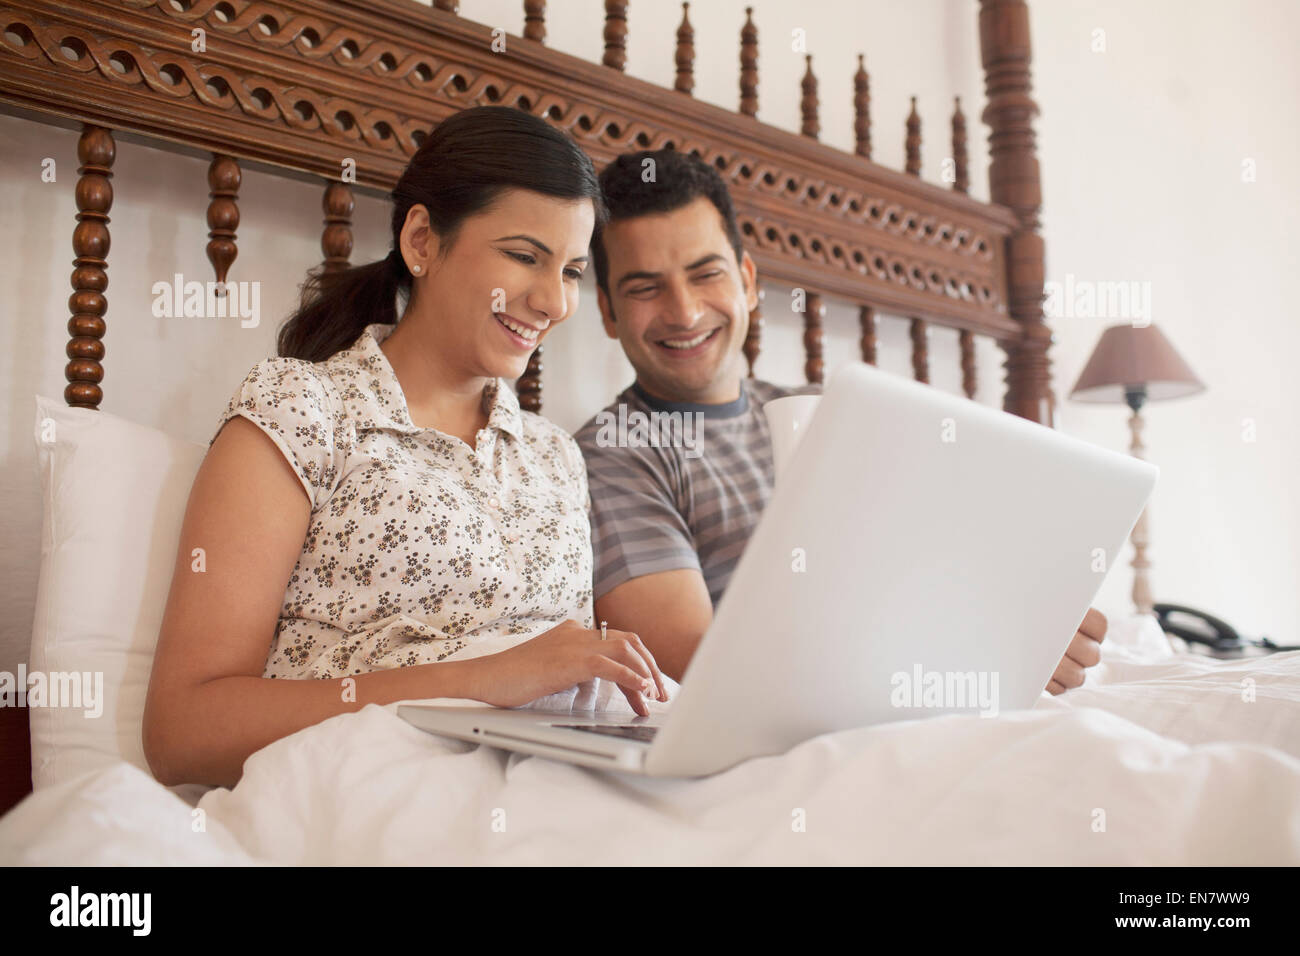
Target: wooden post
{"x": 862, "y": 111}
{"x": 529, "y": 386}
{"x": 808, "y": 105}
{"x": 1014, "y": 182}
{"x": 913, "y": 143}
{"x": 917, "y": 329}
{"x": 685, "y": 55}
{"x": 920, "y": 351}
{"x": 96, "y": 150}
{"x": 535, "y": 20}
{"x": 867, "y": 323}
{"x": 615, "y": 34}
{"x": 961, "y": 184}
{"x": 223, "y": 215}
{"x": 749, "y": 65}
{"x": 813, "y": 314}
{"x": 968, "y": 379}
{"x": 336, "y": 239}
{"x": 961, "y": 179}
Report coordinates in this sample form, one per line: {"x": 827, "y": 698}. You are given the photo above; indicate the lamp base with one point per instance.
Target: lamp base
{"x": 1140, "y": 537}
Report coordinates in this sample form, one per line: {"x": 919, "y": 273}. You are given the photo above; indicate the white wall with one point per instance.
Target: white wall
{"x": 1141, "y": 147}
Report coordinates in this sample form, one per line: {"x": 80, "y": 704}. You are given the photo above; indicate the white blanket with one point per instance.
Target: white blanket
{"x": 1158, "y": 759}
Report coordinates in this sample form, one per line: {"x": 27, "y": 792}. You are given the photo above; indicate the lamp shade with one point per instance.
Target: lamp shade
{"x": 1127, "y": 358}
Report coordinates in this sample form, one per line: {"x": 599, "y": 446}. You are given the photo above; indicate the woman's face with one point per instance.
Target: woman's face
{"x": 509, "y": 276}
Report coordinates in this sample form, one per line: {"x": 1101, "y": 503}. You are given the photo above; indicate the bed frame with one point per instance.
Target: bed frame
{"x": 300, "y": 87}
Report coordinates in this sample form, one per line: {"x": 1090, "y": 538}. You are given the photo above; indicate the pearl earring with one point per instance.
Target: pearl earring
{"x": 415, "y": 269}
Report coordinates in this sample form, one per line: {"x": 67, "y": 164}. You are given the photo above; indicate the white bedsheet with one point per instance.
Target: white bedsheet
{"x": 1156, "y": 760}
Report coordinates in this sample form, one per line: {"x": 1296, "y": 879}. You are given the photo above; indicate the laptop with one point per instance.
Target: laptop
{"x": 921, "y": 555}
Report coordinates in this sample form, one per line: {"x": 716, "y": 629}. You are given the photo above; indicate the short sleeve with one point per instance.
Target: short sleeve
{"x": 636, "y": 528}
{"x": 290, "y": 403}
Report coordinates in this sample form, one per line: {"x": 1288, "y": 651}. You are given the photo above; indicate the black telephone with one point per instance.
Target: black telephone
{"x": 1222, "y": 640}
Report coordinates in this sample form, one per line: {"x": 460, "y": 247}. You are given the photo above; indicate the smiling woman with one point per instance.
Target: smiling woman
{"x": 470, "y": 163}
{"x": 483, "y": 300}
{"x": 377, "y": 518}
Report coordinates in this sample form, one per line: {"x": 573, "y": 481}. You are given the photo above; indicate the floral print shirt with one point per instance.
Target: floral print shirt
{"x": 419, "y": 545}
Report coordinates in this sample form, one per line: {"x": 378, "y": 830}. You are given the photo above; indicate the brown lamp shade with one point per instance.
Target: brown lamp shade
{"x": 1127, "y": 358}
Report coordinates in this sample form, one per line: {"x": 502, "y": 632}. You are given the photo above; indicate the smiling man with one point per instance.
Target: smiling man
{"x": 670, "y": 518}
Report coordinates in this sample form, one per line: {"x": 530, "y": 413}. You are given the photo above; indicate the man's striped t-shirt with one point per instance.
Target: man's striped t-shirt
{"x": 677, "y": 485}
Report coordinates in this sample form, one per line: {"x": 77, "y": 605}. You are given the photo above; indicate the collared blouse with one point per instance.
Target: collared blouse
{"x": 418, "y": 545}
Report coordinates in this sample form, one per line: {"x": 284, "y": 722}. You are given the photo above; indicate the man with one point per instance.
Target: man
{"x": 671, "y": 513}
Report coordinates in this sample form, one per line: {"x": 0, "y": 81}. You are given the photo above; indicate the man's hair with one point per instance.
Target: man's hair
{"x": 675, "y": 180}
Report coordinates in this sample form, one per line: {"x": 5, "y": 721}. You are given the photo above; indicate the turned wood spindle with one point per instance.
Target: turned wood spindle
{"x": 535, "y": 20}
{"x": 615, "y": 34}
{"x": 808, "y": 105}
{"x": 685, "y": 55}
{"x": 862, "y": 111}
{"x": 913, "y": 142}
{"x": 813, "y": 314}
{"x": 920, "y": 347}
{"x": 336, "y": 238}
{"x": 962, "y": 181}
{"x": 88, "y": 304}
{"x": 749, "y": 65}
{"x": 754, "y": 334}
{"x": 968, "y": 381}
{"x": 529, "y": 386}
{"x": 1014, "y": 182}
{"x": 867, "y": 322}
{"x": 920, "y": 352}
{"x": 224, "y": 178}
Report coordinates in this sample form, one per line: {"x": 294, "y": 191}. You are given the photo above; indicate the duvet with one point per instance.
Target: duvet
{"x": 1159, "y": 759}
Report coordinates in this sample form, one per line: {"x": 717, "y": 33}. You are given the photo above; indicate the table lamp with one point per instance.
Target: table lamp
{"x": 1136, "y": 365}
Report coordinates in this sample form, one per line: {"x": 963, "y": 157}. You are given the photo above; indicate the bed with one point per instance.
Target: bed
{"x": 1145, "y": 764}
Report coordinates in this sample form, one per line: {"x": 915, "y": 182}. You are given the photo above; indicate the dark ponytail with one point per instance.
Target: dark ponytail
{"x": 460, "y": 168}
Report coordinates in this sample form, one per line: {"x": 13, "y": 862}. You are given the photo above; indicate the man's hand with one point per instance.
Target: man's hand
{"x": 1084, "y": 652}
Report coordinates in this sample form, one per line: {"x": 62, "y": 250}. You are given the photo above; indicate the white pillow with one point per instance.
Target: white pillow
{"x": 115, "y": 495}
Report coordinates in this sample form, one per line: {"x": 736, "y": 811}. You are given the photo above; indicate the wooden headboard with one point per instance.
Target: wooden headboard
{"x": 307, "y": 88}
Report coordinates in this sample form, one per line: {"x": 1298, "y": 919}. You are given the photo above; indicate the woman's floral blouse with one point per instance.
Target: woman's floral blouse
{"x": 418, "y": 545}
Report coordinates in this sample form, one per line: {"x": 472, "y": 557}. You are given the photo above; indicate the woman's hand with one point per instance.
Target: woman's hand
{"x": 567, "y": 655}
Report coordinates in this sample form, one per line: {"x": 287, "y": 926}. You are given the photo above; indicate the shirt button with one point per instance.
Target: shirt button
{"x": 493, "y": 502}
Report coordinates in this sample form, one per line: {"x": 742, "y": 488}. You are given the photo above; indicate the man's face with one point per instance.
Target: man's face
{"x": 679, "y": 302}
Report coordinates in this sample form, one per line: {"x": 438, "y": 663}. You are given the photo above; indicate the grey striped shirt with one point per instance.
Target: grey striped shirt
{"x": 677, "y": 485}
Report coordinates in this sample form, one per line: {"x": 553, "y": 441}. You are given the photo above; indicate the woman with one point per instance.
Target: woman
{"x": 374, "y": 500}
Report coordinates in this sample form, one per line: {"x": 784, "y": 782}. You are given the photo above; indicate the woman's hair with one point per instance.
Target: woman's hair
{"x": 458, "y": 171}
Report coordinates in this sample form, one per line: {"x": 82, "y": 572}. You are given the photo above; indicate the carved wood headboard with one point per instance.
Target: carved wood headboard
{"x": 300, "y": 86}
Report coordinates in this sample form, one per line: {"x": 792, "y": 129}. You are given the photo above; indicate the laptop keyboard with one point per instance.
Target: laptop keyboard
{"x": 642, "y": 733}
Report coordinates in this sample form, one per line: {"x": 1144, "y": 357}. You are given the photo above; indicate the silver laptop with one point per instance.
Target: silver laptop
{"x": 922, "y": 554}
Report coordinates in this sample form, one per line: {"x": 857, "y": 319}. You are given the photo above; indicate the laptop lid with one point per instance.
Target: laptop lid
{"x": 922, "y": 554}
